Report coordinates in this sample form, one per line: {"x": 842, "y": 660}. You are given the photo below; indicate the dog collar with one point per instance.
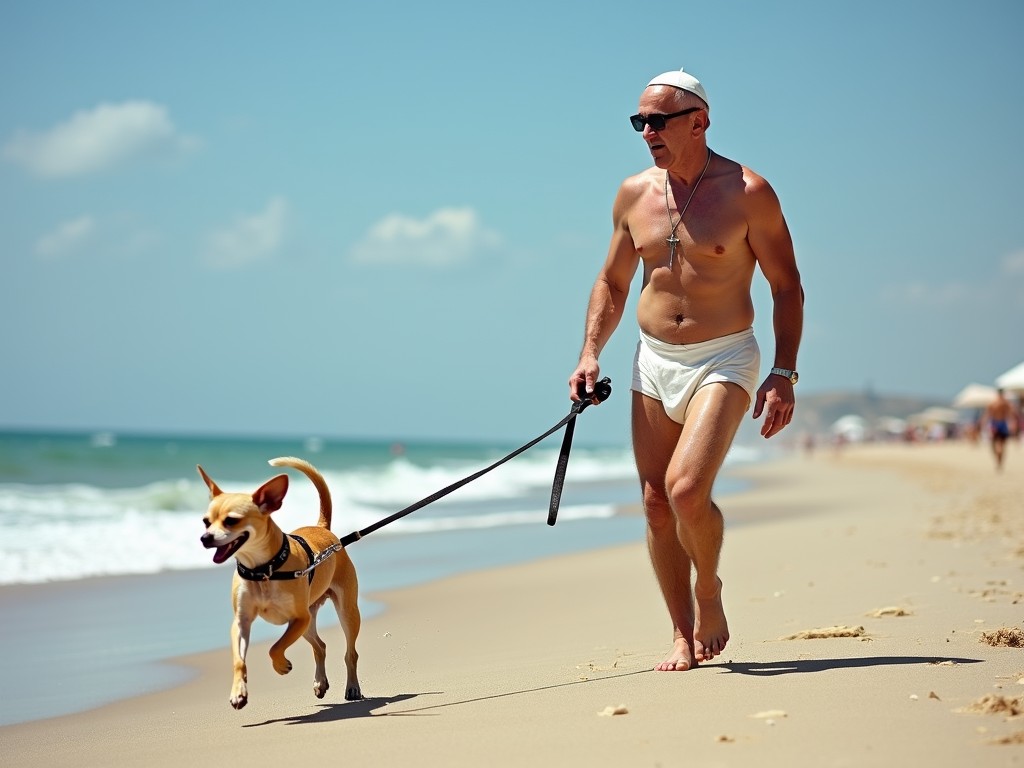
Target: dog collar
{"x": 267, "y": 570}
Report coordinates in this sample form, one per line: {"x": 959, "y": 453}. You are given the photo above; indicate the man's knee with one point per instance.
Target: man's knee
{"x": 690, "y": 496}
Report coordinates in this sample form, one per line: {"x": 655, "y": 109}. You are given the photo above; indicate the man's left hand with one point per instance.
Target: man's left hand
{"x": 775, "y": 398}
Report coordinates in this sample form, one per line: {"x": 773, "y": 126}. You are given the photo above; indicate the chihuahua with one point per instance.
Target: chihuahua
{"x": 276, "y": 579}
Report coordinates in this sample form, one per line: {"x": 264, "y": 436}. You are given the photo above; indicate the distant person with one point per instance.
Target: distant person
{"x": 699, "y": 224}
{"x": 1001, "y": 419}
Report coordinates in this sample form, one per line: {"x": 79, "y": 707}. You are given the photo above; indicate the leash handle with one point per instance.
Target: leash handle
{"x": 602, "y": 391}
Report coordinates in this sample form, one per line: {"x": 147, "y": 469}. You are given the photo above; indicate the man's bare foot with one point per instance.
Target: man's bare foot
{"x": 710, "y": 631}
{"x": 681, "y": 658}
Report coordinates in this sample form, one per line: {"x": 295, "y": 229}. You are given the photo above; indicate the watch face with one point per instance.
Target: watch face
{"x": 795, "y": 377}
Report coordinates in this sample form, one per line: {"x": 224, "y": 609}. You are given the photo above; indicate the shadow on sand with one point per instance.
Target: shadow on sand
{"x": 327, "y": 713}
{"x": 365, "y": 708}
{"x": 803, "y": 666}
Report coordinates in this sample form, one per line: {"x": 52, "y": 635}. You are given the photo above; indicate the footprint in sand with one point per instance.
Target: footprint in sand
{"x": 890, "y": 610}
{"x": 770, "y": 714}
{"x": 827, "y": 633}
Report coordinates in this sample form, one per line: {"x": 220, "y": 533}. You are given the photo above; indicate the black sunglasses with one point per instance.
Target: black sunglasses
{"x": 656, "y": 121}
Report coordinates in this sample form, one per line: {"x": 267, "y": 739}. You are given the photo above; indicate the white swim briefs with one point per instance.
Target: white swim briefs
{"x": 672, "y": 373}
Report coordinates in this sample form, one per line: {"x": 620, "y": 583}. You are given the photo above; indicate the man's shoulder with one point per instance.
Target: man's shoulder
{"x": 642, "y": 179}
{"x": 755, "y": 188}
{"x": 633, "y": 187}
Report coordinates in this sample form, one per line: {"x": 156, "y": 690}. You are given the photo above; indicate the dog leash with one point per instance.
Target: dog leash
{"x": 602, "y": 391}
{"x": 268, "y": 572}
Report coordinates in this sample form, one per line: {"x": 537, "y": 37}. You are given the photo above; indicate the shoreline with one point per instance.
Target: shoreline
{"x": 505, "y": 664}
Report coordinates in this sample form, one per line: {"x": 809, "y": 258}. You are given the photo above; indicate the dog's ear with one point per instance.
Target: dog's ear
{"x": 214, "y": 490}
{"x": 270, "y": 495}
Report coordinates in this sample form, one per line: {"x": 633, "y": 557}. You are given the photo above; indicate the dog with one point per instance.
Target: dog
{"x": 270, "y": 582}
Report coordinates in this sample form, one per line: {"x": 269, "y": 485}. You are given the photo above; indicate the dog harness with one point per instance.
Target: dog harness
{"x": 269, "y": 571}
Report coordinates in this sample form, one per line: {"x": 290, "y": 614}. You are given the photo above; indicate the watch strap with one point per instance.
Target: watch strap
{"x": 787, "y": 373}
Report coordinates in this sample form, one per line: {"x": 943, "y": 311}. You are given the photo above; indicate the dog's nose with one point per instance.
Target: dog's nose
{"x": 206, "y": 539}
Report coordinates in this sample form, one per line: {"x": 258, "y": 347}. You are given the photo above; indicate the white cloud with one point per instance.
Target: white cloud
{"x": 446, "y": 237}
{"x": 94, "y": 140}
{"x": 940, "y": 295}
{"x": 1001, "y": 286}
{"x": 1013, "y": 264}
{"x": 66, "y": 238}
{"x": 248, "y": 238}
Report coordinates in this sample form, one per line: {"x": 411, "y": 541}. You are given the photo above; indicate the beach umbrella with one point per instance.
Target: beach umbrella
{"x": 852, "y": 427}
{"x": 974, "y": 396}
{"x": 1012, "y": 379}
{"x": 936, "y": 415}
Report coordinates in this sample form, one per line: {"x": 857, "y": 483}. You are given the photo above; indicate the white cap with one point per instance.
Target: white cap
{"x": 684, "y": 81}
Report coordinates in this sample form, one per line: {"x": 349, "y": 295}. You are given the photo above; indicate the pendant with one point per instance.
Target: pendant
{"x": 672, "y": 241}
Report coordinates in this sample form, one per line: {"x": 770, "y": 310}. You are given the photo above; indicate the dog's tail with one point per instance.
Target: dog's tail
{"x": 321, "y": 485}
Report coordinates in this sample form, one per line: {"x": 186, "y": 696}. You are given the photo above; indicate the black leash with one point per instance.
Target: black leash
{"x": 602, "y": 391}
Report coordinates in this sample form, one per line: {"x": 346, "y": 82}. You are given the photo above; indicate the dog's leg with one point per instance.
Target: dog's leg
{"x": 347, "y": 605}
{"x": 239, "y": 647}
{"x": 295, "y": 630}
{"x": 320, "y": 684}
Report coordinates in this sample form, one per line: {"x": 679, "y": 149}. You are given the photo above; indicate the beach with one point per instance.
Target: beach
{"x": 875, "y": 600}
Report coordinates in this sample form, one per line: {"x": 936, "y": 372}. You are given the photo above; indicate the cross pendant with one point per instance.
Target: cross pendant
{"x": 672, "y": 241}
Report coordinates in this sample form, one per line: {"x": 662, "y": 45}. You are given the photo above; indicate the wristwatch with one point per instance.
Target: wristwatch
{"x": 793, "y": 376}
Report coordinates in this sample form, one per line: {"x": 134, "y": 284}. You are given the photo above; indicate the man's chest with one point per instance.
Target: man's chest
{"x": 709, "y": 229}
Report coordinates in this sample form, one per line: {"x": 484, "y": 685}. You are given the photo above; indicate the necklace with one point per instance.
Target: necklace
{"x": 672, "y": 240}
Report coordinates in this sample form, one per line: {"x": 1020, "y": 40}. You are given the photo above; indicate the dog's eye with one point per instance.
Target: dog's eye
{"x": 231, "y": 521}
{"x": 206, "y": 522}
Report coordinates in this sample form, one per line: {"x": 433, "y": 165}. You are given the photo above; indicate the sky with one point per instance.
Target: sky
{"x": 385, "y": 219}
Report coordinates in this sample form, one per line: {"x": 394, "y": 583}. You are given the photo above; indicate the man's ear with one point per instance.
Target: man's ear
{"x": 701, "y": 123}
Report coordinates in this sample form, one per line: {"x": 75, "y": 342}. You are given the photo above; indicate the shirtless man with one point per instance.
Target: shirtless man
{"x": 698, "y": 223}
{"x": 1001, "y": 424}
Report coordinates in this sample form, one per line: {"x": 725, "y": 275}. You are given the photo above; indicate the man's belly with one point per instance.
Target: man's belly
{"x": 679, "y": 320}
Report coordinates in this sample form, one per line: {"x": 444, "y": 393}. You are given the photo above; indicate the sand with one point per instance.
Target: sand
{"x": 895, "y": 569}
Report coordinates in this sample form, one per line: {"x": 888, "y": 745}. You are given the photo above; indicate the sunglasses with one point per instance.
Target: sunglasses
{"x": 656, "y": 121}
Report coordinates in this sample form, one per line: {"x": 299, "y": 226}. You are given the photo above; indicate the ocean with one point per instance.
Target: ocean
{"x": 78, "y": 506}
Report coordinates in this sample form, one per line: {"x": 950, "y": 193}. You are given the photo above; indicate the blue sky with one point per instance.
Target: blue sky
{"x": 385, "y": 219}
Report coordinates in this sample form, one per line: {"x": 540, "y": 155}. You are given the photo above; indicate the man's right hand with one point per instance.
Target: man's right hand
{"x": 586, "y": 373}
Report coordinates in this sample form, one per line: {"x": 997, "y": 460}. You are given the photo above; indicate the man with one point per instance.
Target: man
{"x": 699, "y": 223}
{"x": 1001, "y": 424}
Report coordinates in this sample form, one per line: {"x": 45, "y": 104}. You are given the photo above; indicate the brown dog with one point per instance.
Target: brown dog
{"x": 270, "y": 581}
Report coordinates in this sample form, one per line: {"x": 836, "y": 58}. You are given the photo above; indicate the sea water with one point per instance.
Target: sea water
{"x": 74, "y": 506}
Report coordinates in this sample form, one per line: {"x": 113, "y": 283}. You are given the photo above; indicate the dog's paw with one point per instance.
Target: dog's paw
{"x": 353, "y": 693}
{"x": 239, "y": 694}
{"x": 320, "y": 688}
{"x": 281, "y": 665}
